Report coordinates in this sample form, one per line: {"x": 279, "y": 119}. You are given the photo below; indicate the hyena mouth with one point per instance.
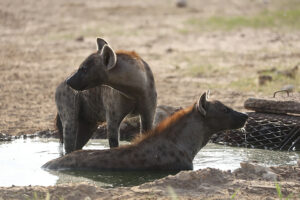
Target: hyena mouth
{"x": 84, "y": 87}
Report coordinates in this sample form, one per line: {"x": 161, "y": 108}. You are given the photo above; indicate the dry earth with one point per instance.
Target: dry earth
{"x": 244, "y": 183}
{"x": 208, "y": 45}
{"x": 41, "y": 46}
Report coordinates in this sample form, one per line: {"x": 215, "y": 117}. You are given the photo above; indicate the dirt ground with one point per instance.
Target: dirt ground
{"x": 244, "y": 183}
{"x": 41, "y": 46}
{"x": 207, "y": 45}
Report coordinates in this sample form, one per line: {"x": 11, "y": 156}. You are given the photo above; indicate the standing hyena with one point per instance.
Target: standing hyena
{"x": 124, "y": 71}
{"x": 80, "y": 112}
{"x": 172, "y": 145}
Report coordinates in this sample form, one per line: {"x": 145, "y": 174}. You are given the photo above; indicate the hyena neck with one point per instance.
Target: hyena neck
{"x": 94, "y": 100}
{"x": 193, "y": 134}
{"x": 130, "y": 78}
{"x": 185, "y": 129}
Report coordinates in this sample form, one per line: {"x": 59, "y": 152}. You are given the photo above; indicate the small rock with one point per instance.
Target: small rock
{"x": 270, "y": 176}
{"x": 263, "y": 79}
{"x": 5, "y": 137}
{"x": 253, "y": 167}
{"x": 266, "y": 172}
{"x": 288, "y": 88}
{"x": 183, "y": 176}
{"x": 181, "y": 3}
{"x": 80, "y": 39}
{"x": 169, "y": 50}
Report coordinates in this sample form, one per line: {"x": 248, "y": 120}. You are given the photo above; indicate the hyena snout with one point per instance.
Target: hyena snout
{"x": 238, "y": 120}
{"x": 75, "y": 82}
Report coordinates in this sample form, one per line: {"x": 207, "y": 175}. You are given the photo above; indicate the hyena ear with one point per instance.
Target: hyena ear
{"x": 109, "y": 57}
{"x": 100, "y": 43}
{"x": 201, "y": 104}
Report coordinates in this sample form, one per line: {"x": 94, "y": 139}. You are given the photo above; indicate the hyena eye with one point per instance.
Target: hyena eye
{"x": 84, "y": 69}
{"x": 226, "y": 110}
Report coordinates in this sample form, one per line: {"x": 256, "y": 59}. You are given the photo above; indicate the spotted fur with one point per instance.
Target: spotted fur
{"x": 171, "y": 146}
{"x": 124, "y": 71}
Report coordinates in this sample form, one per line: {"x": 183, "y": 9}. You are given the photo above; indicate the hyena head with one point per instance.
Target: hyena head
{"x": 219, "y": 117}
{"x": 93, "y": 70}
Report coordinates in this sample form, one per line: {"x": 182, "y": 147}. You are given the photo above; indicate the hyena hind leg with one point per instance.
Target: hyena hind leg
{"x": 84, "y": 132}
{"x": 146, "y": 119}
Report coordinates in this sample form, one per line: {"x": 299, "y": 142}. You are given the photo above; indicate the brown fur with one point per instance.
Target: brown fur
{"x": 160, "y": 129}
{"x": 58, "y": 127}
{"x": 125, "y": 72}
{"x": 132, "y": 54}
{"x": 171, "y": 146}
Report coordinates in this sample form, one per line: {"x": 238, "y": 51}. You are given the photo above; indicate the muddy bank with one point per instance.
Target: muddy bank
{"x": 248, "y": 182}
{"x": 128, "y": 128}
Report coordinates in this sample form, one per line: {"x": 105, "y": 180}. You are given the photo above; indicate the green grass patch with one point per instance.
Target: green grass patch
{"x": 234, "y": 194}
{"x": 278, "y": 81}
{"x": 207, "y": 70}
{"x": 244, "y": 84}
{"x": 266, "y": 19}
{"x": 279, "y": 193}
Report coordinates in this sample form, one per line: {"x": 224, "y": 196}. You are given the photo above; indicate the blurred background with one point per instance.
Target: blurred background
{"x": 235, "y": 48}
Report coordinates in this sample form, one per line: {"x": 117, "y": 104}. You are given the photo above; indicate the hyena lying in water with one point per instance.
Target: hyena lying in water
{"x": 79, "y": 112}
{"x": 172, "y": 145}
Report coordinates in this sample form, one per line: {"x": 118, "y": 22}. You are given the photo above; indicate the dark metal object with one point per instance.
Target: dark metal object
{"x": 287, "y": 92}
{"x": 265, "y": 131}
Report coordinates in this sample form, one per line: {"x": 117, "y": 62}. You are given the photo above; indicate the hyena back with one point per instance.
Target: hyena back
{"x": 172, "y": 145}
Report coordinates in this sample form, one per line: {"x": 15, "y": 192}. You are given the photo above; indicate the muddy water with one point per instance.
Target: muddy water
{"x": 20, "y": 163}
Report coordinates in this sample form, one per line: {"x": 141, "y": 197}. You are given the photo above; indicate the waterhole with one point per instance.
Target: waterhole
{"x": 21, "y": 161}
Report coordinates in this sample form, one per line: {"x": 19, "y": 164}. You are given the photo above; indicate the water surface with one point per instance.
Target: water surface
{"x": 21, "y": 161}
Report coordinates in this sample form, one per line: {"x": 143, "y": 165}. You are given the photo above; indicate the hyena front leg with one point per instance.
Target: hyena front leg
{"x": 69, "y": 134}
{"x": 67, "y": 103}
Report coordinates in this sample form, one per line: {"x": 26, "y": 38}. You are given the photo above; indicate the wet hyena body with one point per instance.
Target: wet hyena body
{"x": 172, "y": 145}
{"x": 79, "y": 113}
{"x": 124, "y": 71}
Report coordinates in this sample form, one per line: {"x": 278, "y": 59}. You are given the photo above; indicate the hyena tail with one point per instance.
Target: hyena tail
{"x": 59, "y": 128}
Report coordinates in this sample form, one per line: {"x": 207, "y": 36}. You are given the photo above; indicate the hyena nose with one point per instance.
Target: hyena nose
{"x": 68, "y": 81}
{"x": 72, "y": 81}
{"x": 244, "y": 116}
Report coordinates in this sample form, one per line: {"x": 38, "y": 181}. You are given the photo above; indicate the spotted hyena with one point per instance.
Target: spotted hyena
{"x": 124, "y": 71}
{"x": 172, "y": 145}
{"x": 79, "y": 113}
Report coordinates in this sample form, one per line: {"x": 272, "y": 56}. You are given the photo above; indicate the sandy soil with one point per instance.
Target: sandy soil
{"x": 41, "y": 45}
{"x": 244, "y": 183}
{"x": 40, "y": 48}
